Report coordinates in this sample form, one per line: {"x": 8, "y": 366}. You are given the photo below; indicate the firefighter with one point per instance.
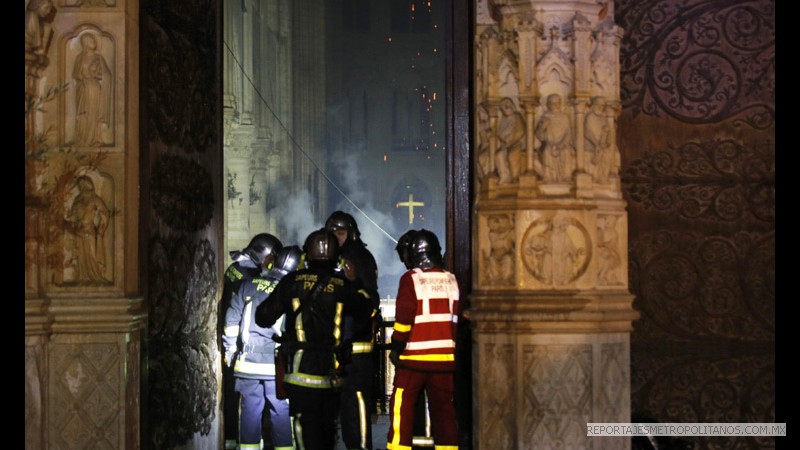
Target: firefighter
{"x": 247, "y": 263}
{"x": 422, "y": 346}
{"x": 358, "y": 403}
{"x": 315, "y": 300}
{"x": 250, "y": 350}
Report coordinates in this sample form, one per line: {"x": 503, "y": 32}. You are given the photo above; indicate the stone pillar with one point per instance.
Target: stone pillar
{"x": 550, "y": 306}
{"x": 83, "y": 319}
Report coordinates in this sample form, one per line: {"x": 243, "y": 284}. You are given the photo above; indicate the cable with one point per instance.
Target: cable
{"x": 294, "y": 142}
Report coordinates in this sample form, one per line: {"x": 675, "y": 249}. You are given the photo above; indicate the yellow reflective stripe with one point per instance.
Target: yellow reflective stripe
{"x": 446, "y": 447}
{"x": 362, "y": 420}
{"x": 364, "y": 293}
{"x": 242, "y": 366}
{"x": 448, "y": 357}
{"x": 390, "y": 446}
{"x": 398, "y": 402}
{"x": 311, "y": 381}
{"x": 402, "y": 328}
{"x": 284, "y": 448}
{"x": 232, "y": 330}
{"x": 337, "y": 321}
{"x": 247, "y": 446}
{"x": 362, "y": 347}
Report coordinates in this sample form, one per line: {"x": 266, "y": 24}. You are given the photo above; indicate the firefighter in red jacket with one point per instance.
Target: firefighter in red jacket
{"x": 423, "y": 346}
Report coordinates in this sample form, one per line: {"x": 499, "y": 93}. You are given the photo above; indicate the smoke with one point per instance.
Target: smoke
{"x": 295, "y": 219}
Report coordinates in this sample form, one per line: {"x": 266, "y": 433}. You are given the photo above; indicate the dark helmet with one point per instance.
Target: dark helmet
{"x": 404, "y": 246}
{"x": 288, "y": 259}
{"x": 425, "y": 250}
{"x": 261, "y": 247}
{"x": 321, "y": 245}
{"x": 341, "y": 220}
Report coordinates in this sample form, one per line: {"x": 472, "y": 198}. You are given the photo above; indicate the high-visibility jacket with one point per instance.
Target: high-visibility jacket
{"x": 313, "y": 324}
{"x": 426, "y": 318}
{"x": 249, "y": 346}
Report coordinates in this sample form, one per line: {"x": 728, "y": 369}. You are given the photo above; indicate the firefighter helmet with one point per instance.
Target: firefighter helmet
{"x": 262, "y": 247}
{"x": 288, "y": 259}
{"x": 321, "y": 245}
{"x": 403, "y": 248}
{"x": 425, "y": 250}
{"x": 341, "y": 220}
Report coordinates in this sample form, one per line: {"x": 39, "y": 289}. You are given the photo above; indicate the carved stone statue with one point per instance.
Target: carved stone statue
{"x": 93, "y": 88}
{"x": 500, "y": 262}
{"x": 510, "y": 142}
{"x": 88, "y": 220}
{"x": 557, "y": 152}
{"x": 597, "y": 144}
{"x": 38, "y": 35}
{"x": 607, "y": 241}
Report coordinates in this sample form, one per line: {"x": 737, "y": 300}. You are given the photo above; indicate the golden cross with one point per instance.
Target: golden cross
{"x": 410, "y": 204}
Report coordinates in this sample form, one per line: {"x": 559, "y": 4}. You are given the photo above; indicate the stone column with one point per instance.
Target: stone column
{"x": 552, "y": 316}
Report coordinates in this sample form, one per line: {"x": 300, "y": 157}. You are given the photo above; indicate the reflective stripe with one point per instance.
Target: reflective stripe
{"x": 245, "y": 333}
{"x": 397, "y": 396}
{"x": 426, "y": 345}
{"x": 312, "y": 381}
{"x": 362, "y": 347}
{"x": 249, "y": 446}
{"x": 429, "y": 318}
{"x": 242, "y": 366}
{"x": 232, "y": 331}
{"x": 422, "y": 441}
{"x": 446, "y": 357}
{"x": 362, "y": 420}
{"x": 401, "y": 328}
{"x": 230, "y": 444}
{"x": 446, "y": 447}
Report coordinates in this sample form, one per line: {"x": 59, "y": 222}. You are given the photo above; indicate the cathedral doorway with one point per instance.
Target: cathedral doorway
{"x": 350, "y": 105}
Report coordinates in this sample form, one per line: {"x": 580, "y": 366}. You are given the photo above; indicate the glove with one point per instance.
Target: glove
{"x": 394, "y": 357}
{"x": 349, "y": 270}
{"x": 229, "y": 358}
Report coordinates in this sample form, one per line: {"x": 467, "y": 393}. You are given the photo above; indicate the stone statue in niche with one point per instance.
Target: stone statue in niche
{"x": 609, "y": 259}
{"x": 93, "y": 95}
{"x": 599, "y": 153}
{"x": 38, "y": 35}
{"x": 500, "y": 260}
{"x": 88, "y": 219}
{"x": 556, "y": 152}
{"x": 510, "y": 142}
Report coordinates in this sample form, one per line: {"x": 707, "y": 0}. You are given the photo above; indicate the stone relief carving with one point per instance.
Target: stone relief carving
{"x": 609, "y": 261}
{"x": 601, "y": 155}
{"x": 499, "y": 398}
{"x": 39, "y": 16}
{"x": 556, "y": 152}
{"x": 89, "y": 252}
{"x": 90, "y": 3}
{"x": 560, "y": 383}
{"x": 510, "y": 142}
{"x": 556, "y": 251}
{"x": 93, "y": 100}
{"x": 85, "y": 387}
{"x": 500, "y": 261}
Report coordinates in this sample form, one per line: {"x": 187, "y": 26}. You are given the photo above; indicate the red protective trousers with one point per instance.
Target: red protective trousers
{"x": 408, "y": 386}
